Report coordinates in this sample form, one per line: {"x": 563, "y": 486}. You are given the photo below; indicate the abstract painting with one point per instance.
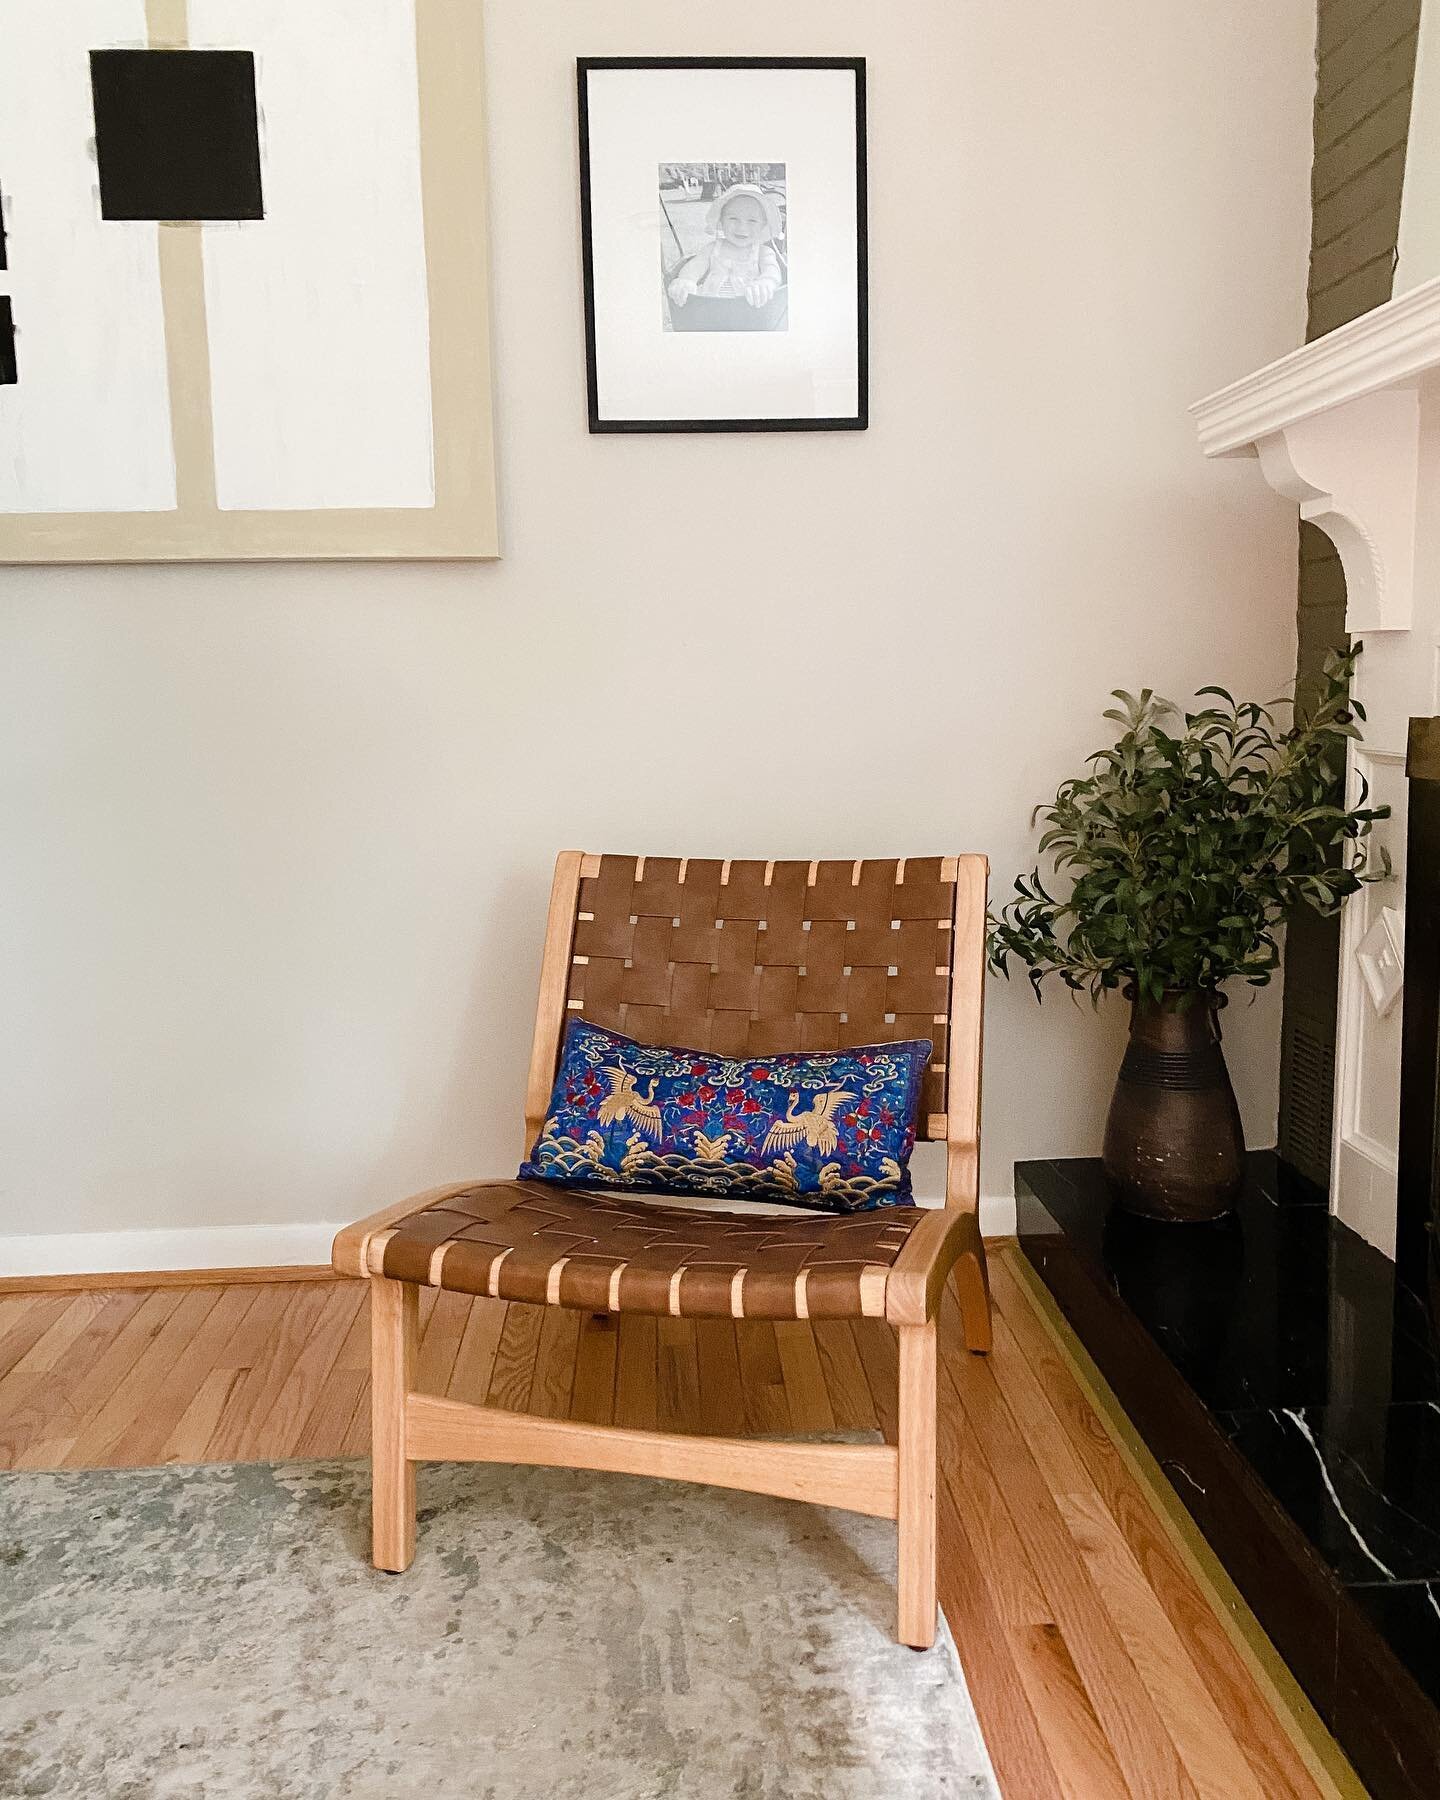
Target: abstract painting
{"x": 243, "y": 281}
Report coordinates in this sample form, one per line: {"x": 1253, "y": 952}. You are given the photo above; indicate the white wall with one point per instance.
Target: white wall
{"x": 276, "y": 841}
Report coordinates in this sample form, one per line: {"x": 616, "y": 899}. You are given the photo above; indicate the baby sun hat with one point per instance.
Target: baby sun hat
{"x": 717, "y": 206}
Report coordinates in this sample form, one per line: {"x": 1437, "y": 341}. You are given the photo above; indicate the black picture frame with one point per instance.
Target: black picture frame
{"x": 858, "y": 420}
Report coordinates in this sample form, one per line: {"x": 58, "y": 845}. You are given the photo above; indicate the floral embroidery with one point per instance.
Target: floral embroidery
{"x": 833, "y": 1129}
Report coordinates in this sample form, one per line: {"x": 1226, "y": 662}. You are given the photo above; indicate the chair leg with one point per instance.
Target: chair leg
{"x": 394, "y": 1332}
{"x": 916, "y": 1446}
{"x": 972, "y": 1285}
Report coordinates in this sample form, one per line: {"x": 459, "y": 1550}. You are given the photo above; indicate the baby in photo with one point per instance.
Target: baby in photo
{"x": 739, "y": 261}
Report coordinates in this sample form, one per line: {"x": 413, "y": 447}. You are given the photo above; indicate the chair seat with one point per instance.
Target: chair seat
{"x": 529, "y": 1241}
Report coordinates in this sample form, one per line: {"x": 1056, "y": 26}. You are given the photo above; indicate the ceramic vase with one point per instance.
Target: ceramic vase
{"x": 1173, "y": 1143}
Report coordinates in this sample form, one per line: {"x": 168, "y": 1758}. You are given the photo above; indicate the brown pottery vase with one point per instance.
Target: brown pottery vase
{"x": 1173, "y": 1144}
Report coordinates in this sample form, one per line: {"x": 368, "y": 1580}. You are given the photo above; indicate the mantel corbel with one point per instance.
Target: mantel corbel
{"x": 1354, "y": 471}
{"x": 1336, "y": 426}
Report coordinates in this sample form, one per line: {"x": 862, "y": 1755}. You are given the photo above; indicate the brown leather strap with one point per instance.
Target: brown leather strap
{"x": 755, "y": 958}
{"x": 527, "y": 1241}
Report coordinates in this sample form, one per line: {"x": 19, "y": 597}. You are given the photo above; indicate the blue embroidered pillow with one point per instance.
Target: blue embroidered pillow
{"x": 832, "y": 1129}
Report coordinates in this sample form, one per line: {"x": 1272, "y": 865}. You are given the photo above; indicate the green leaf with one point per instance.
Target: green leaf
{"x": 1179, "y": 853}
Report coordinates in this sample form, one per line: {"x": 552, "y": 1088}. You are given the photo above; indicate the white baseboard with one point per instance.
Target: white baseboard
{"x": 244, "y": 1246}
{"x": 208, "y": 1247}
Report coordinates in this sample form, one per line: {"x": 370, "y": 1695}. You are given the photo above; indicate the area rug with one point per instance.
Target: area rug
{"x": 219, "y": 1633}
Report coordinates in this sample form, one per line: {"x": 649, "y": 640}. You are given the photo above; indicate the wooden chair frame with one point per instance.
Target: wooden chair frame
{"x": 884, "y": 1480}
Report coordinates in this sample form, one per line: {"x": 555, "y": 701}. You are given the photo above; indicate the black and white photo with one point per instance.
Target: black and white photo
{"x": 723, "y": 252}
{"x": 724, "y": 243}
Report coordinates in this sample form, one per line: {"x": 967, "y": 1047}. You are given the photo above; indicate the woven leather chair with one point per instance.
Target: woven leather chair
{"x": 745, "y": 959}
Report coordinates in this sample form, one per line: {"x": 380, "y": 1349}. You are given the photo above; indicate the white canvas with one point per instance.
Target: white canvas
{"x": 318, "y": 313}
{"x": 804, "y": 119}
{"x": 87, "y": 426}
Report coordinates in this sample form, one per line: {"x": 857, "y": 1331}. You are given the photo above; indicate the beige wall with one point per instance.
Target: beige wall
{"x": 275, "y": 842}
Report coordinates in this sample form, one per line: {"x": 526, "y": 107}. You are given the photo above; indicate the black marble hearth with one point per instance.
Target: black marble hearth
{"x": 1289, "y": 1385}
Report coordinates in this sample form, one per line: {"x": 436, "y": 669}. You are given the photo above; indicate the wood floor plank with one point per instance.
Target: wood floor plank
{"x": 554, "y": 1377}
{"x": 1027, "y": 1635}
{"x": 1270, "y": 1753}
{"x": 722, "y": 1393}
{"x": 268, "y": 1360}
{"x": 1015, "y": 1735}
{"x": 880, "y": 1359}
{"x": 277, "y": 1427}
{"x": 91, "y": 1370}
{"x": 804, "y": 1377}
{"x": 514, "y": 1368}
{"x": 845, "y": 1381}
{"x": 26, "y": 1418}
{"x": 24, "y": 1320}
{"x": 440, "y": 1342}
{"x": 144, "y": 1438}
{"x": 14, "y": 1308}
{"x": 102, "y": 1438}
{"x": 323, "y": 1433}
{"x": 38, "y": 1414}
{"x": 1197, "y": 1728}
{"x": 251, "y": 1339}
{"x": 58, "y": 1336}
{"x": 677, "y": 1375}
{"x": 355, "y": 1351}
{"x": 196, "y": 1425}
{"x": 636, "y": 1405}
{"x": 346, "y": 1387}
{"x": 356, "y": 1441}
{"x": 762, "y": 1375}
{"x": 593, "y": 1399}
{"x": 1195, "y": 1723}
{"x": 428, "y": 1298}
{"x": 1137, "y": 1735}
{"x": 475, "y": 1359}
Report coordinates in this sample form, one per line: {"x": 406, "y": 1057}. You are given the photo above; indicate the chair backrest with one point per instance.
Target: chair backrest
{"x": 752, "y": 958}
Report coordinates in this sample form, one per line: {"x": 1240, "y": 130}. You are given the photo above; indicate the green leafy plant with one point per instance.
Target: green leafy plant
{"x": 1190, "y": 841}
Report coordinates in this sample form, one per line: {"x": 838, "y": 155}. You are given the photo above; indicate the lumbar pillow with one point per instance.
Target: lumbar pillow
{"x": 831, "y": 1129}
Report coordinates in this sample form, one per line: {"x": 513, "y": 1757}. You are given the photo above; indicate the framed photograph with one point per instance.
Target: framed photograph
{"x": 722, "y": 209}
{"x": 242, "y": 281}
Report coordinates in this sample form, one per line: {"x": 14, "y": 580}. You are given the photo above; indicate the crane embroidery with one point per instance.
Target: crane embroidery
{"x": 658, "y": 1120}
{"x": 815, "y": 1128}
{"x": 625, "y": 1101}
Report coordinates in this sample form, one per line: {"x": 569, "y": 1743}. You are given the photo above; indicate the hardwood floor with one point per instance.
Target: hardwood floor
{"x": 1094, "y": 1652}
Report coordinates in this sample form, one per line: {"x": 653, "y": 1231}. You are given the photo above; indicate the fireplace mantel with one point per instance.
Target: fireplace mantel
{"x": 1336, "y": 426}
{"x": 1348, "y": 427}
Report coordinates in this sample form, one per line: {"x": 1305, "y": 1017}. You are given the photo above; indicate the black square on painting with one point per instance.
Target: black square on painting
{"x": 176, "y": 134}
{"x": 8, "y": 373}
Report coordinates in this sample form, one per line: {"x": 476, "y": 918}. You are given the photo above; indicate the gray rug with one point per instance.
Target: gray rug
{"x": 219, "y": 1634}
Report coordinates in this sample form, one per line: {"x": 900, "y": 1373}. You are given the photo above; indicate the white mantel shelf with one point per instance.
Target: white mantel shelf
{"x": 1336, "y": 426}
{"x": 1391, "y": 346}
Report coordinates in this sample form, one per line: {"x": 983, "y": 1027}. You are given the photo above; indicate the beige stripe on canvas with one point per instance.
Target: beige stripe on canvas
{"x": 182, "y": 293}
